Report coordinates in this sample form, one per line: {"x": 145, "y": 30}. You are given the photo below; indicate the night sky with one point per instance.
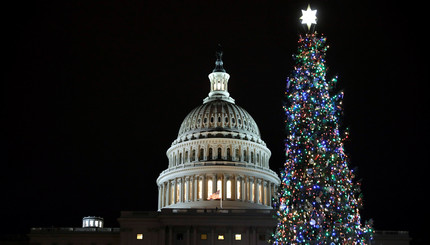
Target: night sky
{"x": 95, "y": 92}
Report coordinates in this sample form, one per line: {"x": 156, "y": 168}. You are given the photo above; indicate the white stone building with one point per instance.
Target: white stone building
{"x": 218, "y": 148}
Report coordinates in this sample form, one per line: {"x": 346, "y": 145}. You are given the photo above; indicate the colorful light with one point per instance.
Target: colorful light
{"x": 318, "y": 202}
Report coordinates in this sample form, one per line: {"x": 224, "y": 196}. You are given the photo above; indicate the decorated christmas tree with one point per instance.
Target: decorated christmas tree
{"x": 318, "y": 201}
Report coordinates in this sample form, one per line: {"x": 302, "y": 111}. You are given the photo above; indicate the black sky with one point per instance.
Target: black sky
{"x": 95, "y": 93}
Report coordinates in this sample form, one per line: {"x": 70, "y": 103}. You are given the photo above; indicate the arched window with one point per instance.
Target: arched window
{"x": 219, "y": 154}
{"x": 193, "y": 155}
{"x": 210, "y": 154}
{"x": 228, "y": 154}
{"x": 186, "y": 157}
{"x": 245, "y": 156}
{"x": 252, "y": 157}
{"x": 237, "y": 154}
{"x": 201, "y": 154}
{"x": 180, "y": 158}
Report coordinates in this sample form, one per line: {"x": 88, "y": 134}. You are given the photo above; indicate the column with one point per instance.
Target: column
{"x": 188, "y": 240}
{"x": 224, "y": 184}
{"x": 234, "y": 180}
{"x": 229, "y": 237}
{"x": 195, "y": 187}
{"x": 242, "y": 188}
{"x": 254, "y": 235}
{"x": 181, "y": 190}
{"x": 174, "y": 191}
{"x": 195, "y": 235}
{"x": 170, "y": 242}
{"x": 246, "y": 189}
{"x": 257, "y": 190}
{"x": 164, "y": 194}
{"x": 168, "y": 196}
{"x": 251, "y": 189}
{"x": 204, "y": 187}
{"x": 159, "y": 197}
{"x": 187, "y": 189}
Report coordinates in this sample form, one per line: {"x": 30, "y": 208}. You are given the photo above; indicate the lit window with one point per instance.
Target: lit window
{"x": 252, "y": 192}
{"x": 139, "y": 237}
{"x": 200, "y": 193}
{"x": 203, "y": 236}
{"x": 97, "y": 223}
{"x": 237, "y": 237}
{"x": 186, "y": 192}
{"x": 260, "y": 196}
{"x": 210, "y": 190}
{"x": 220, "y": 237}
{"x": 238, "y": 190}
{"x": 219, "y": 187}
{"x": 178, "y": 188}
{"x": 228, "y": 186}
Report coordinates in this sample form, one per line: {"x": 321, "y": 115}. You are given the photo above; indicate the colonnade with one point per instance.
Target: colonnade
{"x": 199, "y": 188}
{"x": 219, "y": 150}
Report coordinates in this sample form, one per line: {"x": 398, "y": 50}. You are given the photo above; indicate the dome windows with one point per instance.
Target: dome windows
{"x": 217, "y": 115}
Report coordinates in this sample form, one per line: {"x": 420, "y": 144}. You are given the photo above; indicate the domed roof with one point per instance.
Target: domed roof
{"x": 219, "y": 115}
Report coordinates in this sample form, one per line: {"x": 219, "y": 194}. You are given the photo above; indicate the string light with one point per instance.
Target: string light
{"x": 318, "y": 202}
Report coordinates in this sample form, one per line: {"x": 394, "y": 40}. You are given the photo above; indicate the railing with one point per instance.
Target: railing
{"x": 73, "y": 229}
{"x": 212, "y": 163}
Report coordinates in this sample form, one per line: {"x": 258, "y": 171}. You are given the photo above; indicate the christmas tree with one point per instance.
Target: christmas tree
{"x": 318, "y": 201}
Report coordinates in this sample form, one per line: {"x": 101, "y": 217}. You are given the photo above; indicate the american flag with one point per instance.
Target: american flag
{"x": 215, "y": 195}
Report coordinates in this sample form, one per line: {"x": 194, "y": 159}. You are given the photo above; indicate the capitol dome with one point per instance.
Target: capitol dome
{"x": 218, "y": 155}
{"x": 219, "y": 118}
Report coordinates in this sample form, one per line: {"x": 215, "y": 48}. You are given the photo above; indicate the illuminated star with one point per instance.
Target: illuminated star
{"x": 309, "y": 17}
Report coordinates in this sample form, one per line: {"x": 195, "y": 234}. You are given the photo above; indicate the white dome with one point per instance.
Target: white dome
{"x": 218, "y": 153}
{"x": 218, "y": 118}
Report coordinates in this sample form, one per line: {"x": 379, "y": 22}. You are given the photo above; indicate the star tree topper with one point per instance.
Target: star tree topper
{"x": 309, "y": 17}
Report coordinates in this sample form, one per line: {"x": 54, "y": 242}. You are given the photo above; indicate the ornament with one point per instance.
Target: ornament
{"x": 311, "y": 161}
{"x": 318, "y": 199}
{"x": 312, "y": 222}
{"x": 309, "y": 171}
{"x": 282, "y": 207}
